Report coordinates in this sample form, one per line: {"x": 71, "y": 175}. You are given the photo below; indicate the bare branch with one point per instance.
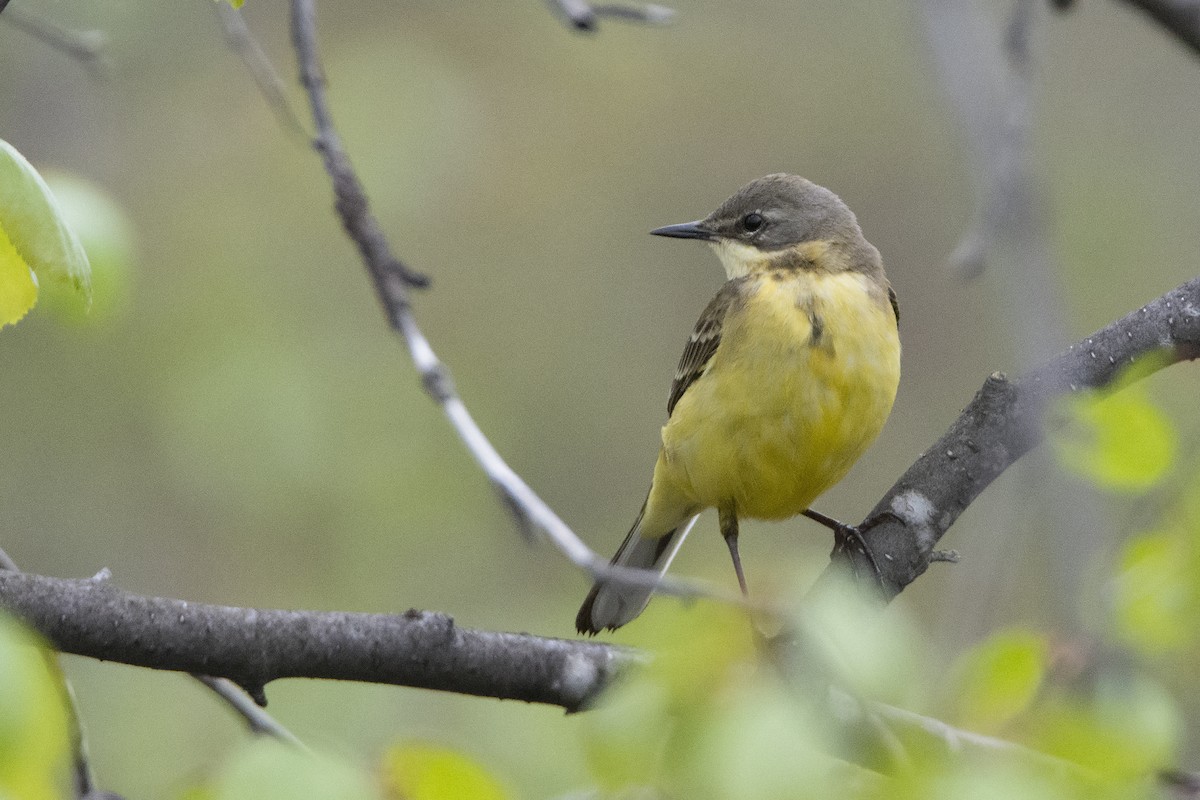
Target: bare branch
{"x": 956, "y": 741}
{"x": 262, "y": 71}
{"x": 1001, "y": 424}
{"x": 988, "y": 78}
{"x": 87, "y": 47}
{"x": 1180, "y": 17}
{"x": 392, "y": 282}
{"x": 584, "y": 16}
{"x": 258, "y": 720}
{"x": 252, "y": 647}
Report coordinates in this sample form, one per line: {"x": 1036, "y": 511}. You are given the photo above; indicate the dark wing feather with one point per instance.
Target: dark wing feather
{"x": 703, "y": 342}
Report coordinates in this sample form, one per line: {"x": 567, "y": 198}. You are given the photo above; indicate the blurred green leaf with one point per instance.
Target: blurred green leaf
{"x": 18, "y": 284}
{"x": 625, "y": 736}
{"x": 106, "y": 234}
{"x": 999, "y": 679}
{"x": 266, "y": 769}
{"x": 34, "y": 223}
{"x": 34, "y": 737}
{"x": 876, "y": 655}
{"x": 1121, "y": 441}
{"x": 1127, "y": 727}
{"x": 423, "y": 772}
{"x": 764, "y": 742}
{"x": 1155, "y": 596}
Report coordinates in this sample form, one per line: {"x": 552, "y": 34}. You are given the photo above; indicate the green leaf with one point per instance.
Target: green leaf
{"x": 1121, "y": 441}
{"x": 1128, "y": 727}
{"x": 34, "y": 224}
{"x": 267, "y": 769}
{"x": 999, "y": 679}
{"x": 424, "y": 772}
{"x": 107, "y": 237}
{"x": 34, "y": 738}
{"x": 18, "y": 284}
{"x": 1154, "y": 593}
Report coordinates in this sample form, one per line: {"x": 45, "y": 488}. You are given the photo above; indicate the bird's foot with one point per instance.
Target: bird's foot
{"x": 848, "y": 538}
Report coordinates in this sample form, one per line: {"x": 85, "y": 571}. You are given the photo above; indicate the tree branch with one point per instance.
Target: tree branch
{"x": 244, "y": 705}
{"x": 584, "y": 16}
{"x": 1180, "y": 17}
{"x": 242, "y": 42}
{"x": 1001, "y": 424}
{"x": 252, "y": 647}
{"x": 392, "y": 282}
{"x": 87, "y": 47}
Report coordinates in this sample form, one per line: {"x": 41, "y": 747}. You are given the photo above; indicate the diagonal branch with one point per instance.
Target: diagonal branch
{"x": 1002, "y": 423}
{"x": 392, "y": 283}
{"x": 1180, "y": 17}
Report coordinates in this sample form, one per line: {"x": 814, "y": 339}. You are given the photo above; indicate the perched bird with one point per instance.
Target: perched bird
{"x": 787, "y": 378}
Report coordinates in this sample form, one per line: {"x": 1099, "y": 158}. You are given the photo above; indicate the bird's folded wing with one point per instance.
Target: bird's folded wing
{"x": 703, "y": 342}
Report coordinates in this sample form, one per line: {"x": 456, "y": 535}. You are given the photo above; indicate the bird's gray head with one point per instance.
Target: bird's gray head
{"x": 774, "y": 213}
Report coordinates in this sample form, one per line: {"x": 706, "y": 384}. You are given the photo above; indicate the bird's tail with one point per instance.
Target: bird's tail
{"x": 610, "y": 604}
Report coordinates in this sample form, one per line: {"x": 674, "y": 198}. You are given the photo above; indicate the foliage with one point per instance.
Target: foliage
{"x": 34, "y": 742}
{"x": 1116, "y": 437}
{"x": 267, "y": 769}
{"x": 35, "y": 241}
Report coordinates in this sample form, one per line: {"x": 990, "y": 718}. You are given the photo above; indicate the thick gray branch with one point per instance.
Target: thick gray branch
{"x": 1001, "y": 424}
{"x": 255, "y": 646}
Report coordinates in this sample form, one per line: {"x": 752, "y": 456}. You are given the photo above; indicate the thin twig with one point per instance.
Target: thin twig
{"x": 393, "y": 280}
{"x": 87, "y": 47}
{"x": 262, "y": 71}
{"x": 584, "y": 16}
{"x": 256, "y": 718}
{"x": 956, "y": 741}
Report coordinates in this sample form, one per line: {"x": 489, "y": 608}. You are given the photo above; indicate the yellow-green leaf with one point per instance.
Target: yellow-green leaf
{"x": 1154, "y": 594}
{"x": 1121, "y": 441}
{"x": 35, "y": 226}
{"x": 34, "y": 739}
{"x": 107, "y": 236}
{"x": 267, "y": 769}
{"x": 1128, "y": 727}
{"x": 999, "y": 679}
{"x": 425, "y": 772}
{"x": 18, "y": 284}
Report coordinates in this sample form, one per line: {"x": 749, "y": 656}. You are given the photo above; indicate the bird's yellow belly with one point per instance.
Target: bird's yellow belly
{"x": 798, "y": 389}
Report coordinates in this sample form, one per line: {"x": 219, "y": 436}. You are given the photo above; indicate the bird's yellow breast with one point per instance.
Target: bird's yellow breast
{"x": 802, "y": 382}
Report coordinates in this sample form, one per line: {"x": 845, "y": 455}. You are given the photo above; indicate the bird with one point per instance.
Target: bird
{"x": 787, "y": 378}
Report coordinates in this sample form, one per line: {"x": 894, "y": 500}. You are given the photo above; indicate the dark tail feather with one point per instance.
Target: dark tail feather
{"x": 611, "y": 605}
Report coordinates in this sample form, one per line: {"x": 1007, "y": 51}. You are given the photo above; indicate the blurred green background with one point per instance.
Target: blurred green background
{"x": 235, "y": 423}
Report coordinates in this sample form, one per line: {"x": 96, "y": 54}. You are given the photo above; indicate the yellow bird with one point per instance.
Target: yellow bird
{"x": 787, "y": 378}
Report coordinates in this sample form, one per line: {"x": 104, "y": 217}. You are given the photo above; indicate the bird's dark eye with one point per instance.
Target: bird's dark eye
{"x": 753, "y": 221}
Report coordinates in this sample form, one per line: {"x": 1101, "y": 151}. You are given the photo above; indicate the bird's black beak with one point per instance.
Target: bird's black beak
{"x": 687, "y": 230}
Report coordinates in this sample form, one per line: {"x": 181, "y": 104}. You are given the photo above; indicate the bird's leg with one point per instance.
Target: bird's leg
{"x": 843, "y": 534}
{"x": 729, "y": 529}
